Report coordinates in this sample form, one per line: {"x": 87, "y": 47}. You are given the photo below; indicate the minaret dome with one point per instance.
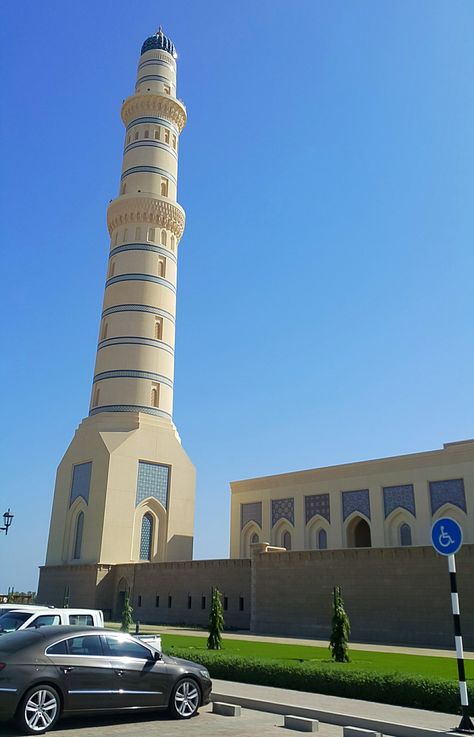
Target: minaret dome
{"x": 159, "y": 41}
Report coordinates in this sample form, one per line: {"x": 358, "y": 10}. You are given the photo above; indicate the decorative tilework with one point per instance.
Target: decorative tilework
{"x": 143, "y": 247}
{"x": 149, "y": 119}
{"x": 139, "y": 308}
{"x": 447, "y": 492}
{"x": 399, "y": 496}
{"x": 317, "y": 504}
{"x": 355, "y": 501}
{"x": 135, "y": 340}
{"x": 146, "y": 537}
{"x": 81, "y": 481}
{"x": 155, "y": 62}
{"x": 152, "y": 481}
{"x": 250, "y": 513}
{"x": 131, "y": 374}
{"x": 153, "y": 144}
{"x": 148, "y": 170}
{"x": 140, "y": 277}
{"x": 283, "y": 509}
{"x": 155, "y": 78}
{"x": 129, "y": 408}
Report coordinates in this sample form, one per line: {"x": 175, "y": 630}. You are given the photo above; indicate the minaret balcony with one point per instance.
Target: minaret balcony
{"x": 154, "y": 105}
{"x": 150, "y": 209}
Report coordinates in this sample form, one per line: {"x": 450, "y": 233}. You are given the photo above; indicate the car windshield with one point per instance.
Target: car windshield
{"x": 12, "y": 620}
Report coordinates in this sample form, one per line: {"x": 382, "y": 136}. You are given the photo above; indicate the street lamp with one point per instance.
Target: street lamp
{"x": 7, "y": 520}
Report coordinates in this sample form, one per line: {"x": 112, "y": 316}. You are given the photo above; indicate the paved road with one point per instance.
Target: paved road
{"x": 250, "y": 724}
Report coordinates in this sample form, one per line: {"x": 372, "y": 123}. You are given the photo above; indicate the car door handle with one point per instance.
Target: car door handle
{"x": 119, "y": 672}
{"x": 67, "y": 669}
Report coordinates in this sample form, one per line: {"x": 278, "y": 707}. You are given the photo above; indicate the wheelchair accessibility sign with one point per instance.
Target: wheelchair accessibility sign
{"x": 446, "y": 536}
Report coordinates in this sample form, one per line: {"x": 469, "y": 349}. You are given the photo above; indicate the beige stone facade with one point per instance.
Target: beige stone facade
{"x": 125, "y": 487}
{"x": 389, "y": 502}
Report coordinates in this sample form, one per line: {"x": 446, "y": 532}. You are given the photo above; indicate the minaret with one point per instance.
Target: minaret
{"x": 125, "y": 487}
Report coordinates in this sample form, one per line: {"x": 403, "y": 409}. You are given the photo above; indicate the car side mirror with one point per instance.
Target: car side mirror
{"x": 157, "y": 656}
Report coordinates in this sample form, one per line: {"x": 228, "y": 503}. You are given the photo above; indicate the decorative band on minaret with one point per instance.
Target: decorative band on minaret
{"x": 135, "y": 356}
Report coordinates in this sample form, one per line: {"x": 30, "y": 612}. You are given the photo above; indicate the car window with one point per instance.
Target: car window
{"x": 44, "y": 620}
{"x": 59, "y": 648}
{"x": 124, "y": 647}
{"x": 11, "y": 621}
{"x": 84, "y": 645}
{"x": 83, "y": 619}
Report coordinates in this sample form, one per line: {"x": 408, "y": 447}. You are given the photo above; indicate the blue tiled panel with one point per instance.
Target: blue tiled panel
{"x": 447, "y": 492}
{"x": 152, "y": 481}
{"x": 317, "y": 504}
{"x": 250, "y": 513}
{"x": 399, "y": 496}
{"x": 146, "y": 537}
{"x": 283, "y": 509}
{"x": 81, "y": 481}
{"x": 355, "y": 501}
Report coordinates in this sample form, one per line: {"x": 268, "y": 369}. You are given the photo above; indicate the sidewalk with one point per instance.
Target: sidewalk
{"x": 389, "y": 720}
{"x": 244, "y": 635}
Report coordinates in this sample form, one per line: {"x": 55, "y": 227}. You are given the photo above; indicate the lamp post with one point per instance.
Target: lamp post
{"x": 7, "y": 520}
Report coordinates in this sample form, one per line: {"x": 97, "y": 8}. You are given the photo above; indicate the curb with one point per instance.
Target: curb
{"x": 329, "y": 717}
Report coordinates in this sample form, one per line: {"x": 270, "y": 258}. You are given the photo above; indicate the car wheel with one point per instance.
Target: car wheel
{"x": 39, "y": 710}
{"x": 185, "y": 699}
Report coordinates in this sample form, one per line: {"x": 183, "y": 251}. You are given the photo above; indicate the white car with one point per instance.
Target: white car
{"x": 34, "y": 617}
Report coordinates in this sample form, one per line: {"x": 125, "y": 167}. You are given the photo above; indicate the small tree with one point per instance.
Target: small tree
{"x": 216, "y": 621}
{"x": 127, "y": 612}
{"x": 341, "y": 629}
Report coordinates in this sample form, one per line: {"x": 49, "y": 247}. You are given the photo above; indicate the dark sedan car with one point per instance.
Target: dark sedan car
{"x": 51, "y": 671}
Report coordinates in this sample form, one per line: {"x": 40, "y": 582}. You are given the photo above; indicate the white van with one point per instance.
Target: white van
{"x": 22, "y": 619}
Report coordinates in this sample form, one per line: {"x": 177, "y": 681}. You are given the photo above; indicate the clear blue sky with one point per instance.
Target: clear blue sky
{"x": 325, "y": 295}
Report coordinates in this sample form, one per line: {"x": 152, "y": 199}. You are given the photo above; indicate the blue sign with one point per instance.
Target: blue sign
{"x": 446, "y": 536}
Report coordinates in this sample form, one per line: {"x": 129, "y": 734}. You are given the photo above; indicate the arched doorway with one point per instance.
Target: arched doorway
{"x": 358, "y": 534}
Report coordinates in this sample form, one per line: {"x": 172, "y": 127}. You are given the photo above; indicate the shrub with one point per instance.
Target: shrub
{"x": 389, "y": 688}
{"x": 216, "y": 621}
{"x": 341, "y": 629}
{"x": 127, "y": 613}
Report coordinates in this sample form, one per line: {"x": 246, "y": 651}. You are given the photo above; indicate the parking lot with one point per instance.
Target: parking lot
{"x": 206, "y": 724}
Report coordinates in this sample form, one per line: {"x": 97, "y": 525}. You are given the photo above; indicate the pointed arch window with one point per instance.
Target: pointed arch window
{"x": 254, "y": 538}
{"x": 286, "y": 540}
{"x": 173, "y": 242}
{"x": 322, "y": 539}
{"x": 146, "y": 537}
{"x": 155, "y": 395}
{"x": 164, "y": 187}
{"x": 78, "y": 536}
{"x": 405, "y": 534}
{"x": 163, "y": 238}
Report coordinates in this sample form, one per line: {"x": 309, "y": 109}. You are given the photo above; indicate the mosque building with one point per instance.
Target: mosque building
{"x": 123, "y": 512}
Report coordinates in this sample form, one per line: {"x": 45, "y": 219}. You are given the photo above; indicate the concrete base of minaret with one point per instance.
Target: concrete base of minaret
{"x": 114, "y": 444}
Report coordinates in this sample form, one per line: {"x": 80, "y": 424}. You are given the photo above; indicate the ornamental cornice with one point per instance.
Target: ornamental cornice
{"x": 151, "y": 210}
{"x": 160, "y": 106}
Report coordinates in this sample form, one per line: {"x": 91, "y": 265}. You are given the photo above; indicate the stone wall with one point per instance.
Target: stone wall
{"x": 184, "y": 590}
{"x": 392, "y": 595}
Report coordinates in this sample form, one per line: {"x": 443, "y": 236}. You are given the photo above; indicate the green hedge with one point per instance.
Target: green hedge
{"x": 390, "y": 688}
